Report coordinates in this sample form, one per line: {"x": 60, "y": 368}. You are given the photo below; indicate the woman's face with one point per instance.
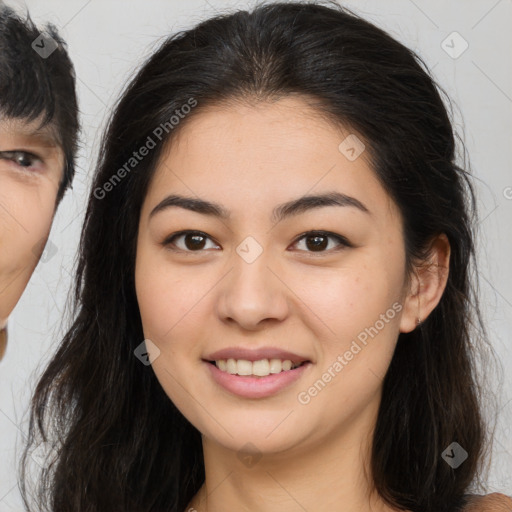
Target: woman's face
{"x": 250, "y": 282}
{"x": 31, "y": 167}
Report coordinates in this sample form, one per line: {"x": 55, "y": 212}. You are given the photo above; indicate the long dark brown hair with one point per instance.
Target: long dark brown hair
{"x": 118, "y": 442}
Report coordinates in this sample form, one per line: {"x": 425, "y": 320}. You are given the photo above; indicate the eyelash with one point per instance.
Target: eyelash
{"x": 169, "y": 241}
{"x": 13, "y": 155}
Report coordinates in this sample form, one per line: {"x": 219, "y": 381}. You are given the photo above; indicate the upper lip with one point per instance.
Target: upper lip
{"x": 255, "y": 354}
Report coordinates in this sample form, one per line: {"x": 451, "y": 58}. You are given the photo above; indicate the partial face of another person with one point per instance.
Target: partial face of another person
{"x": 31, "y": 168}
{"x": 309, "y": 283}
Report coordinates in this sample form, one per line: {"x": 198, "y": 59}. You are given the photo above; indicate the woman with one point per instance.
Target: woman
{"x": 273, "y": 304}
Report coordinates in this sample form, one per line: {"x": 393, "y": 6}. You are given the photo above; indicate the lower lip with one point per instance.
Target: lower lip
{"x": 256, "y": 387}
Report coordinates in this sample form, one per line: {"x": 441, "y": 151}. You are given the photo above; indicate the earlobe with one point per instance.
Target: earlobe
{"x": 427, "y": 285}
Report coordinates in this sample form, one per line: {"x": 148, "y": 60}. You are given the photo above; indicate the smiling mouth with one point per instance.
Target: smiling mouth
{"x": 259, "y": 369}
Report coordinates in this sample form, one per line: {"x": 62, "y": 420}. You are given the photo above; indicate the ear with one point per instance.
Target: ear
{"x": 427, "y": 284}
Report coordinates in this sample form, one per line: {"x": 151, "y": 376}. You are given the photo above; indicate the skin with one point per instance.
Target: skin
{"x": 249, "y": 159}
{"x": 28, "y": 191}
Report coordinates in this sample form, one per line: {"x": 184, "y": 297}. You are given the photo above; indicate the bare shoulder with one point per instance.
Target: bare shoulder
{"x": 495, "y": 502}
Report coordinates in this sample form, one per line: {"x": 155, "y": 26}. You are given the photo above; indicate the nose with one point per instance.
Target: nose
{"x": 253, "y": 294}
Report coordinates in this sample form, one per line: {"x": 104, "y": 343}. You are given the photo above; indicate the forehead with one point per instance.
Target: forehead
{"x": 271, "y": 136}
{"x": 275, "y": 140}
{"x": 262, "y": 155}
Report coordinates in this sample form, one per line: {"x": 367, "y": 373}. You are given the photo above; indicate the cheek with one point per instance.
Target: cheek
{"x": 168, "y": 297}
{"x": 25, "y": 221}
{"x": 163, "y": 301}
{"x": 359, "y": 307}
{"x": 173, "y": 318}
{"x": 349, "y": 298}
{"x": 360, "y": 310}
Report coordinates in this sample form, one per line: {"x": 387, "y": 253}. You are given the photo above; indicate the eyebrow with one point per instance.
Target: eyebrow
{"x": 294, "y": 207}
{"x": 43, "y": 136}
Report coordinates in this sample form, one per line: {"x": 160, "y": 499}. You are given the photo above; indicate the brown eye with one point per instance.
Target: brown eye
{"x": 318, "y": 241}
{"x": 194, "y": 241}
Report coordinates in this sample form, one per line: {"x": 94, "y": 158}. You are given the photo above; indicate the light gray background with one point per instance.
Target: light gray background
{"x": 107, "y": 39}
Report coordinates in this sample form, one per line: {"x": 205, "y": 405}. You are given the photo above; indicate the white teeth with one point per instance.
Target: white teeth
{"x": 244, "y": 367}
{"x": 275, "y": 366}
{"x": 260, "y": 368}
{"x": 231, "y": 366}
{"x": 287, "y": 365}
